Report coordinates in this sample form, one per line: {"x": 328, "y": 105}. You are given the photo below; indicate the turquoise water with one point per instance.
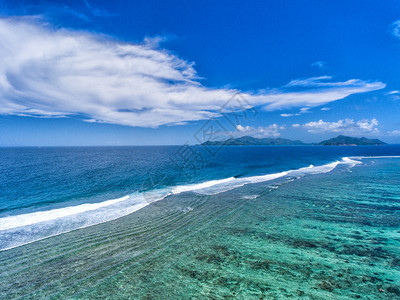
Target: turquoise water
{"x": 330, "y": 233}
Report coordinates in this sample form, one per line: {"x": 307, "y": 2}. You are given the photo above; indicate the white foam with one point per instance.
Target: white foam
{"x": 250, "y": 197}
{"x": 362, "y": 157}
{"x": 48, "y": 215}
{"x": 233, "y": 183}
{"x": 200, "y": 186}
{"x": 314, "y": 169}
{"x": 23, "y": 229}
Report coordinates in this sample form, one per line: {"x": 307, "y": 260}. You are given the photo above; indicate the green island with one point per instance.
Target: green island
{"x": 340, "y": 140}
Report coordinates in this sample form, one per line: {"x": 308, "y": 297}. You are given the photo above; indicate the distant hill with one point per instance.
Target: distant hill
{"x": 249, "y": 141}
{"x": 342, "y": 140}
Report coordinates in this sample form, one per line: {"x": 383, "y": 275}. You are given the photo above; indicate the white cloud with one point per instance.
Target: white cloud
{"x": 302, "y": 110}
{"x": 394, "y": 95}
{"x": 154, "y": 41}
{"x": 318, "y": 92}
{"x": 394, "y": 132}
{"x": 318, "y": 64}
{"x": 47, "y": 72}
{"x": 368, "y": 125}
{"x": 396, "y": 28}
{"x": 259, "y": 132}
{"x": 296, "y": 125}
{"x": 321, "y": 82}
{"x": 326, "y": 108}
{"x": 348, "y": 126}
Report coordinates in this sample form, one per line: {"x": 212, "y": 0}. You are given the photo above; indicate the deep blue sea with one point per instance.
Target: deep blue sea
{"x": 148, "y": 192}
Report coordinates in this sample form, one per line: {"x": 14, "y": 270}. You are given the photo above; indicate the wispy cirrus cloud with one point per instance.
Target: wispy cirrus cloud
{"x": 345, "y": 126}
{"x": 396, "y": 28}
{"x": 47, "y": 72}
{"x": 319, "y": 64}
{"x": 394, "y": 95}
{"x": 321, "y": 82}
{"x": 49, "y": 10}
{"x": 97, "y": 11}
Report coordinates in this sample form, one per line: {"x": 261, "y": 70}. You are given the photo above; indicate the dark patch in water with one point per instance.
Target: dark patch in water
{"x": 210, "y": 258}
{"x": 261, "y": 265}
{"x": 326, "y": 285}
{"x": 361, "y": 250}
{"x": 395, "y": 262}
{"x": 357, "y": 237}
{"x": 239, "y": 175}
{"x": 394, "y": 289}
{"x": 222, "y": 249}
{"x": 303, "y": 244}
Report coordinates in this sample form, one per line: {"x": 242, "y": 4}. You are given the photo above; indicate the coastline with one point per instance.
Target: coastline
{"x": 267, "y": 246}
{"x": 39, "y": 225}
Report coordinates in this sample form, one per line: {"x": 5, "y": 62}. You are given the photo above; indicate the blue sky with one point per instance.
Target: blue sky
{"x": 92, "y": 72}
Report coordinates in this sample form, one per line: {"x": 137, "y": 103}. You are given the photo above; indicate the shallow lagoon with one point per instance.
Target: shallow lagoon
{"x": 327, "y": 236}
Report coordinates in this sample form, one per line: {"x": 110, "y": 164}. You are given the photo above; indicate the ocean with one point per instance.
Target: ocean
{"x": 193, "y": 222}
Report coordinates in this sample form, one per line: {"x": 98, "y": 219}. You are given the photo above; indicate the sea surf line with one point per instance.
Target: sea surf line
{"x": 84, "y": 215}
